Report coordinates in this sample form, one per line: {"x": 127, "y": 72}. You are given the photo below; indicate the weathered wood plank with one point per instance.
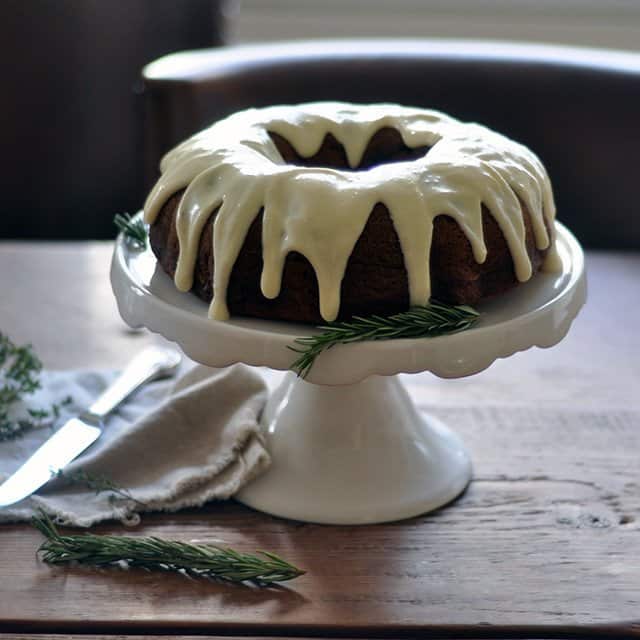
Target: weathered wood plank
{"x": 535, "y": 540}
{"x": 57, "y": 296}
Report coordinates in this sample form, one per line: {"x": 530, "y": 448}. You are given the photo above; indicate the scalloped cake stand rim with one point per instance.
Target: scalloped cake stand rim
{"x": 536, "y": 313}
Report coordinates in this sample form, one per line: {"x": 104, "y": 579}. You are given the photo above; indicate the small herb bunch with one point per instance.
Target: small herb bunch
{"x": 419, "y": 322}
{"x": 133, "y": 229}
{"x": 19, "y": 377}
{"x": 151, "y": 553}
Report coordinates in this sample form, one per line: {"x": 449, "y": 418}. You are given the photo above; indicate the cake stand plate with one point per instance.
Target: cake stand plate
{"x": 348, "y": 446}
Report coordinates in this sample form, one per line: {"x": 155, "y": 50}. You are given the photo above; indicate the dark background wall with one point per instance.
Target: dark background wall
{"x": 71, "y": 110}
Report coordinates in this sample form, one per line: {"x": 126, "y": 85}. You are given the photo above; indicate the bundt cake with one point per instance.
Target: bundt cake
{"x": 321, "y": 211}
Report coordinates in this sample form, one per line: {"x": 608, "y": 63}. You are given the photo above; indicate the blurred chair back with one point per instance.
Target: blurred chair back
{"x": 578, "y": 109}
{"x": 71, "y": 126}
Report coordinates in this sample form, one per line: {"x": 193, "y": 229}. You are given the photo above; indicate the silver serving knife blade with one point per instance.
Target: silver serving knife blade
{"x": 78, "y": 433}
{"x": 55, "y": 454}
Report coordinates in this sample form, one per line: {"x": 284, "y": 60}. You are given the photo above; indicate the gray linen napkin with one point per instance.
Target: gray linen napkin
{"x": 174, "y": 444}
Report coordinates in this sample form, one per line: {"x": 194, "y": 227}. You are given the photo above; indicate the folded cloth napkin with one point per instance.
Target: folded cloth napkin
{"x": 174, "y": 444}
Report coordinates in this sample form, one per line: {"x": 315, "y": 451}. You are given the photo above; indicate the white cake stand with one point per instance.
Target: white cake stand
{"x": 348, "y": 445}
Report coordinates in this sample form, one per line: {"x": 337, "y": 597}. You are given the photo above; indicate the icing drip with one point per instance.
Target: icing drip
{"x": 235, "y": 167}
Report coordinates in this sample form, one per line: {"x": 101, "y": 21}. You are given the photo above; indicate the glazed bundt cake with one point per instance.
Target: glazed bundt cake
{"x": 322, "y": 211}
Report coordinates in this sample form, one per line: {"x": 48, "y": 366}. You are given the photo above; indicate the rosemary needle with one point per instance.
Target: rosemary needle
{"x": 433, "y": 319}
{"x": 133, "y": 230}
{"x": 204, "y": 560}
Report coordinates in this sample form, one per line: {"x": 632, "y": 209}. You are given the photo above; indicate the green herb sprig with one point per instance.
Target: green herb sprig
{"x": 19, "y": 377}
{"x": 419, "y": 322}
{"x": 99, "y": 484}
{"x": 151, "y": 553}
{"x": 134, "y": 230}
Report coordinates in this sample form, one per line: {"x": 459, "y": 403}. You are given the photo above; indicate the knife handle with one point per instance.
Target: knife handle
{"x": 151, "y": 364}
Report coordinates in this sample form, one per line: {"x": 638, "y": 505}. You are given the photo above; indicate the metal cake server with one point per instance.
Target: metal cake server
{"x": 78, "y": 433}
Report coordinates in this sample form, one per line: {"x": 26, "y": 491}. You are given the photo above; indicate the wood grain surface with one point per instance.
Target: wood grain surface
{"x": 544, "y": 543}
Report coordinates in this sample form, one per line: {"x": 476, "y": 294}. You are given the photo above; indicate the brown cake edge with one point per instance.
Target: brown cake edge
{"x": 375, "y": 280}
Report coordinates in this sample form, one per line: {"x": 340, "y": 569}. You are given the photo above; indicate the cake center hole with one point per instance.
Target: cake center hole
{"x": 385, "y": 146}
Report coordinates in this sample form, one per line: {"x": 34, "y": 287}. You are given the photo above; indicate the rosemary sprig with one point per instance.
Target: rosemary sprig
{"x": 99, "y": 484}
{"x": 151, "y": 553}
{"x": 20, "y": 376}
{"x": 419, "y": 322}
{"x": 133, "y": 230}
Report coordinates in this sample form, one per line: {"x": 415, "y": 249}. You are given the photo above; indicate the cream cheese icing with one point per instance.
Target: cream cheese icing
{"x": 235, "y": 167}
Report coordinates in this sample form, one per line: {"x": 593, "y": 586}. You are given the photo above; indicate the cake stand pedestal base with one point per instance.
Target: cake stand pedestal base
{"x": 354, "y": 454}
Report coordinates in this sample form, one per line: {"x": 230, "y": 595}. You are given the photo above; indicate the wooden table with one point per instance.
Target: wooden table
{"x": 545, "y": 542}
